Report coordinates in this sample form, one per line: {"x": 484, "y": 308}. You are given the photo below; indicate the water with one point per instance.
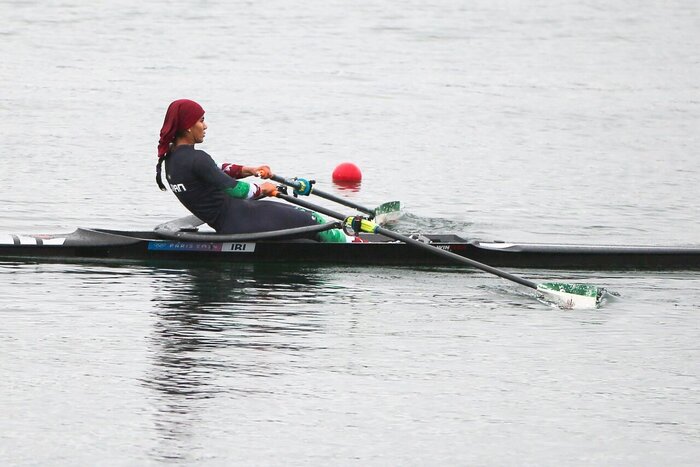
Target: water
{"x": 573, "y": 121}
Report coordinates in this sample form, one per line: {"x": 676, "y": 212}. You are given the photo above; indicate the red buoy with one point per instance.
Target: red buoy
{"x": 347, "y": 172}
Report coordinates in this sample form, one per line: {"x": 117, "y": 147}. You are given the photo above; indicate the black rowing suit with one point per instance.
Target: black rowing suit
{"x": 227, "y": 205}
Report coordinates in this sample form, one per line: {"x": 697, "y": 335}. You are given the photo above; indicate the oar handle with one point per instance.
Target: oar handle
{"x": 411, "y": 241}
{"x": 329, "y": 196}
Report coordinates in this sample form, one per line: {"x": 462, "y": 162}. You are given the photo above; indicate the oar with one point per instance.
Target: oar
{"x": 562, "y": 294}
{"x": 388, "y": 211}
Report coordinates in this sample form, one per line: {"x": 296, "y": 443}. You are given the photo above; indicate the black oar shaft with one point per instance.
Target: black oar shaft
{"x": 417, "y": 243}
{"x": 323, "y": 194}
{"x": 455, "y": 257}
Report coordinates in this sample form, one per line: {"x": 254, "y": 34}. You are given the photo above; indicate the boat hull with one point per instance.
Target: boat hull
{"x": 100, "y": 245}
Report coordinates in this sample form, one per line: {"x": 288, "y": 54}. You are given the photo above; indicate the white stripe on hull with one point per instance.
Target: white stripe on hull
{"x": 54, "y": 241}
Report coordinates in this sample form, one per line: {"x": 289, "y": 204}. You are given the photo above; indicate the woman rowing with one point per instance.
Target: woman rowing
{"x": 216, "y": 195}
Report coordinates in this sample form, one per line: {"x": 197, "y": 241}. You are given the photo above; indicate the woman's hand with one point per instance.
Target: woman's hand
{"x": 262, "y": 171}
{"x": 268, "y": 189}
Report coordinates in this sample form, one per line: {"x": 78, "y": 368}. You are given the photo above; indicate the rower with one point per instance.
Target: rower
{"x": 217, "y": 195}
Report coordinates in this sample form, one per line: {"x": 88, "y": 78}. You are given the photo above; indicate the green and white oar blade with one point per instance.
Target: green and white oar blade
{"x": 571, "y": 296}
{"x": 387, "y": 213}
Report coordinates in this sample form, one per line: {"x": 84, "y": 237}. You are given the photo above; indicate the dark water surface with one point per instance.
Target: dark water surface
{"x": 537, "y": 121}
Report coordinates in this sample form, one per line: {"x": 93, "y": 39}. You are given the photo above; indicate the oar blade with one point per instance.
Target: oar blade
{"x": 571, "y": 296}
{"x": 387, "y": 213}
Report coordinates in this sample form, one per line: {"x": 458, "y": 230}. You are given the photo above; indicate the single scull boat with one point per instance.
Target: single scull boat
{"x": 180, "y": 240}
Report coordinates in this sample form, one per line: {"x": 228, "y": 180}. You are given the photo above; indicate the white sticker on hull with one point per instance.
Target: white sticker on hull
{"x": 495, "y": 245}
{"x": 54, "y": 241}
{"x": 27, "y": 241}
{"x": 238, "y": 247}
{"x": 201, "y": 246}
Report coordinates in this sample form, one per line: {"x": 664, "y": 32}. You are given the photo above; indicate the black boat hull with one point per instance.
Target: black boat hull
{"x": 99, "y": 244}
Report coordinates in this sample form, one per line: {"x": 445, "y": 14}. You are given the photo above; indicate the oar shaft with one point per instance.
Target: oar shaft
{"x": 455, "y": 257}
{"x": 312, "y": 206}
{"x": 411, "y": 241}
{"x": 323, "y": 194}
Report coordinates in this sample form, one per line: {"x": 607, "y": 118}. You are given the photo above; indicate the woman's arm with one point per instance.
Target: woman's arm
{"x": 241, "y": 171}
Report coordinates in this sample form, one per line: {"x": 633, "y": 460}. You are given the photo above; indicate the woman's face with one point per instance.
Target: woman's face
{"x": 199, "y": 131}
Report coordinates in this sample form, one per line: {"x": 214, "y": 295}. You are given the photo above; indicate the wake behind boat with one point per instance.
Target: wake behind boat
{"x": 181, "y": 240}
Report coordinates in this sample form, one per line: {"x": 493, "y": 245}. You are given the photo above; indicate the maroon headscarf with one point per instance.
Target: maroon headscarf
{"x": 181, "y": 115}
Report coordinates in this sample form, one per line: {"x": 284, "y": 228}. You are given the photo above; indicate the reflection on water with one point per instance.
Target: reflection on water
{"x": 204, "y": 308}
{"x": 347, "y": 186}
{"x": 190, "y": 364}
{"x": 236, "y": 314}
